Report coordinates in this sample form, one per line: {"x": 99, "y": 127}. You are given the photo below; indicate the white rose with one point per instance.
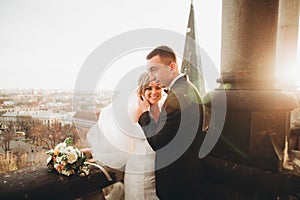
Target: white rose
{"x": 60, "y": 146}
{"x": 72, "y": 157}
{"x": 69, "y": 149}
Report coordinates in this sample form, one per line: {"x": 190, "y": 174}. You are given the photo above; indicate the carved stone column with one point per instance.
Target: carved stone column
{"x": 287, "y": 39}
{"x": 286, "y": 62}
{"x": 258, "y": 115}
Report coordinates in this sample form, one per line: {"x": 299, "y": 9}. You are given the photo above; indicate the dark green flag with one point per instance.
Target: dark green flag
{"x": 191, "y": 55}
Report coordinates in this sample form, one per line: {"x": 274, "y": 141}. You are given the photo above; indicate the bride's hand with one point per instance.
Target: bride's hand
{"x": 87, "y": 152}
{"x": 143, "y": 104}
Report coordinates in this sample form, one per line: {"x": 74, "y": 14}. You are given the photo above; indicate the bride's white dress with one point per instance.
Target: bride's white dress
{"x": 125, "y": 148}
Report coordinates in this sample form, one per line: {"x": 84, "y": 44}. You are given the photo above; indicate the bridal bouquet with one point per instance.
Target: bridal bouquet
{"x": 66, "y": 159}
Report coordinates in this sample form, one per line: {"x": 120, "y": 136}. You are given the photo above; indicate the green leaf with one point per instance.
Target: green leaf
{"x": 68, "y": 141}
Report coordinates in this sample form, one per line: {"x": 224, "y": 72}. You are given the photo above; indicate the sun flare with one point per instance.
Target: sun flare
{"x": 288, "y": 75}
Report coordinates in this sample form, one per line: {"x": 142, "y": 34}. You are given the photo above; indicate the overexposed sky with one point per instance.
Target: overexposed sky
{"x": 44, "y": 43}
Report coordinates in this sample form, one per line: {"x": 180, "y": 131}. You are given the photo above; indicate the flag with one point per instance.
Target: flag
{"x": 191, "y": 62}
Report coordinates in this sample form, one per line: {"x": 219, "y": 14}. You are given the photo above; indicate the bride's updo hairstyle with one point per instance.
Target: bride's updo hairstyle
{"x": 143, "y": 81}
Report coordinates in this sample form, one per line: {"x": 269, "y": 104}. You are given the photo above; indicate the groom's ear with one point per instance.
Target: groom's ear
{"x": 173, "y": 66}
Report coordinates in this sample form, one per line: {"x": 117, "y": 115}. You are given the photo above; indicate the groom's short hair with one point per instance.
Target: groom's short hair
{"x": 166, "y": 54}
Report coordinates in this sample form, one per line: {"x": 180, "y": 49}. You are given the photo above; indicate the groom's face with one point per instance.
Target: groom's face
{"x": 159, "y": 71}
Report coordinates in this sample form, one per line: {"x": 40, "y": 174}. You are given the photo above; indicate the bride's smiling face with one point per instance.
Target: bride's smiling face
{"x": 152, "y": 92}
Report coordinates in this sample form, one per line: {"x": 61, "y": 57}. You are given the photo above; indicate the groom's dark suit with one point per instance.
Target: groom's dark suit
{"x": 176, "y": 139}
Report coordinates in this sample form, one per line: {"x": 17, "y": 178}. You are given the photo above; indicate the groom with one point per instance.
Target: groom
{"x": 177, "y": 136}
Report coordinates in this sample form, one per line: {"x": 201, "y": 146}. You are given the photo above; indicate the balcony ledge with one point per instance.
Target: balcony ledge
{"x": 235, "y": 181}
{"x": 40, "y": 183}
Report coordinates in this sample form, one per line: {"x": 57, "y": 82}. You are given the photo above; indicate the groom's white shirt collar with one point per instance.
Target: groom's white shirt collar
{"x": 175, "y": 79}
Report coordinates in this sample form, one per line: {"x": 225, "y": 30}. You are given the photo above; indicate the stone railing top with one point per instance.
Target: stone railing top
{"x": 40, "y": 183}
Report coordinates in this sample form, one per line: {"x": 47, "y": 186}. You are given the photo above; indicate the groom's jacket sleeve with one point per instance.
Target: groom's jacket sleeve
{"x": 145, "y": 119}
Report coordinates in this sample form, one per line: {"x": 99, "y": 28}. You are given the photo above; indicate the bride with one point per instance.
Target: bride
{"x": 116, "y": 147}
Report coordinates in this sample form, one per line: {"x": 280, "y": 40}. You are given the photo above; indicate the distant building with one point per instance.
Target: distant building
{"x": 67, "y": 118}
{"x": 47, "y": 118}
{"x": 8, "y": 103}
{"x": 11, "y": 116}
{"x": 13, "y": 119}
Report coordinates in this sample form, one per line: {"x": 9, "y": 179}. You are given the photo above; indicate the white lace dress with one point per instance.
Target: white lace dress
{"x": 116, "y": 148}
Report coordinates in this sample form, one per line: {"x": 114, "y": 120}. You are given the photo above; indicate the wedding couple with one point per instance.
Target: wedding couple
{"x": 160, "y": 153}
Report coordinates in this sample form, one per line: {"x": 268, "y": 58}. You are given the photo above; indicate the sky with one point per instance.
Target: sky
{"x": 44, "y": 44}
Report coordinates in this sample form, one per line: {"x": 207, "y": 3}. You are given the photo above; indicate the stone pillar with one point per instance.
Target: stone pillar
{"x": 258, "y": 115}
{"x": 248, "y": 43}
{"x": 287, "y": 38}
{"x": 287, "y": 44}
{"x": 286, "y": 60}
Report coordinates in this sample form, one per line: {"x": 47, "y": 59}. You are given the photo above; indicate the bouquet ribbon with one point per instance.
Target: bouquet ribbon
{"x": 103, "y": 170}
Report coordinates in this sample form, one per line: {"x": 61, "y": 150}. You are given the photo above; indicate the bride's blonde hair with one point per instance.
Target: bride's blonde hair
{"x": 143, "y": 81}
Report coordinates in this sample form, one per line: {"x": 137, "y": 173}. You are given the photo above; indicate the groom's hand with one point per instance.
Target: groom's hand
{"x": 143, "y": 104}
